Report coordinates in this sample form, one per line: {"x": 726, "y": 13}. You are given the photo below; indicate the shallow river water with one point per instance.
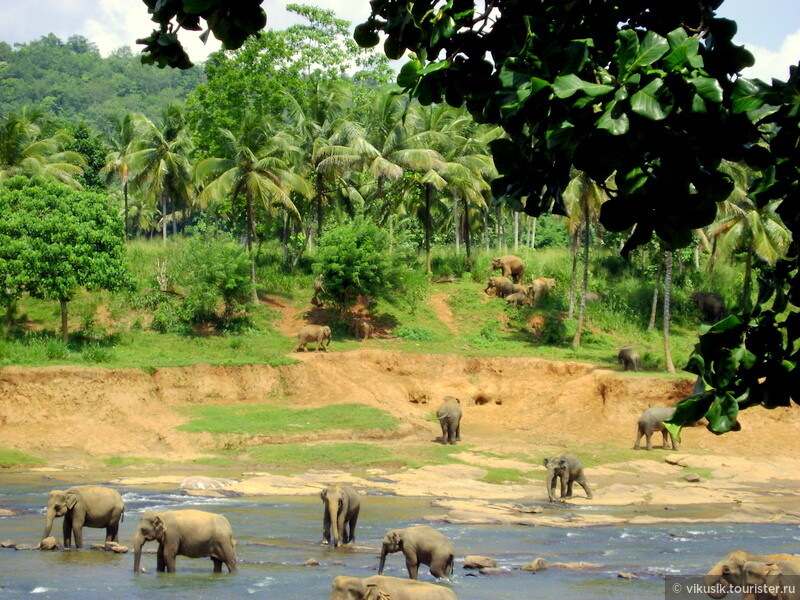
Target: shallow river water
{"x": 277, "y": 535}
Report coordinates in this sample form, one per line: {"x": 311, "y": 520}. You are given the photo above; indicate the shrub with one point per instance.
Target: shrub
{"x": 554, "y": 331}
{"x": 415, "y": 334}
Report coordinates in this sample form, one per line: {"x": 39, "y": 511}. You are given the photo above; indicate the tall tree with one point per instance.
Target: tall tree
{"x": 251, "y": 171}
{"x": 160, "y": 164}
{"x": 121, "y": 136}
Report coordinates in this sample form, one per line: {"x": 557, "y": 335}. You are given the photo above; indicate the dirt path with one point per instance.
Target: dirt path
{"x": 442, "y": 310}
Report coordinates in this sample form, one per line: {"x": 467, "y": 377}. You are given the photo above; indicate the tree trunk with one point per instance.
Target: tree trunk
{"x": 576, "y": 341}
{"x": 457, "y": 225}
{"x": 428, "y": 191}
{"x": 164, "y": 215}
{"x": 573, "y": 281}
{"x": 467, "y": 244}
{"x": 320, "y": 198}
{"x": 532, "y": 228}
{"x": 516, "y": 231}
{"x": 651, "y": 324}
{"x": 486, "y": 230}
{"x": 125, "y": 196}
{"x": 248, "y": 241}
{"x": 64, "y": 325}
{"x": 667, "y": 292}
{"x": 748, "y": 274}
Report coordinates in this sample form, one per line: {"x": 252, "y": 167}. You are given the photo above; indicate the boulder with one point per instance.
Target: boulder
{"x": 473, "y": 561}
{"x": 537, "y": 564}
{"x": 48, "y": 543}
{"x": 494, "y": 571}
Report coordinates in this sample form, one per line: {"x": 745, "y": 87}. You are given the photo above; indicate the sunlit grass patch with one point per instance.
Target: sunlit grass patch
{"x": 15, "y": 458}
{"x": 131, "y": 461}
{"x": 260, "y": 419}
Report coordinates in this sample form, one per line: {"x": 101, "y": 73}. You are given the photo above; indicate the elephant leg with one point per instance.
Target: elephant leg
{"x": 112, "y": 531}
{"x": 675, "y": 444}
{"x": 639, "y": 434}
{"x": 585, "y": 485}
{"x": 217, "y": 565}
{"x": 563, "y": 487}
{"x": 77, "y": 533}
{"x": 412, "y": 564}
{"x": 666, "y": 443}
{"x": 458, "y": 432}
{"x": 160, "y": 559}
{"x": 67, "y": 530}
{"x": 352, "y": 528}
{"x": 169, "y": 561}
{"x": 569, "y": 489}
{"x": 649, "y": 437}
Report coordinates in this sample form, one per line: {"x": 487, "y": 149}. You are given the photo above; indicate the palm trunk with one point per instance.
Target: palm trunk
{"x": 748, "y": 274}
{"x": 64, "y": 326}
{"x": 125, "y": 196}
{"x": 532, "y": 243}
{"x": 164, "y": 215}
{"x": 467, "y": 244}
{"x": 573, "y": 280}
{"x": 667, "y": 292}
{"x": 428, "y": 191}
{"x": 654, "y": 306}
{"x": 457, "y": 225}
{"x": 576, "y": 341}
{"x": 248, "y": 240}
{"x": 320, "y": 215}
{"x": 516, "y": 231}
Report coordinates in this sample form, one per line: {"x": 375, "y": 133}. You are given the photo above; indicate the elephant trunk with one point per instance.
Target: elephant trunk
{"x": 714, "y": 583}
{"x": 383, "y": 560}
{"x": 51, "y": 515}
{"x": 335, "y": 529}
{"x": 138, "y": 542}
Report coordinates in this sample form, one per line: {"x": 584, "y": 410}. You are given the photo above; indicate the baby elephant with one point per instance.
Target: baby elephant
{"x": 449, "y": 415}
{"x": 321, "y": 334}
{"x": 420, "y": 544}
{"x": 652, "y": 420}
{"x": 568, "y": 469}
{"x": 628, "y": 357}
{"x": 361, "y": 329}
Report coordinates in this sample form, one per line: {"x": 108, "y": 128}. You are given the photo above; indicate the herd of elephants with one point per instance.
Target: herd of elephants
{"x": 199, "y": 534}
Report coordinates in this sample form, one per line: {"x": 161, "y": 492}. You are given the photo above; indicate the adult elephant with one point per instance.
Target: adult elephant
{"x": 192, "y": 533}
{"x": 379, "y": 587}
{"x": 85, "y": 506}
{"x": 342, "y": 504}
{"x": 319, "y": 334}
{"x": 729, "y": 572}
{"x": 449, "y": 415}
{"x": 780, "y": 579}
{"x": 420, "y": 544}
{"x": 511, "y": 266}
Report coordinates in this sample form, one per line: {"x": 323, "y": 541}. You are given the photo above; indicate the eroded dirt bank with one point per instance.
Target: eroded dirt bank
{"x": 513, "y": 407}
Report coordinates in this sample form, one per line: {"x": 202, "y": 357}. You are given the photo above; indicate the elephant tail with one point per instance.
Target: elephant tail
{"x": 122, "y": 515}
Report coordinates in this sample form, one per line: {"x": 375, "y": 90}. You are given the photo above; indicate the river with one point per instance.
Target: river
{"x": 276, "y": 536}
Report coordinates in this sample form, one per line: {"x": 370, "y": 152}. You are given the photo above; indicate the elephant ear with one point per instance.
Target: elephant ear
{"x": 545, "y": 462}
{"x": 373, "y": 593}
{"x": 772, "y": 577}
{"x": 70, "y": 500}
{"x": 159, "y": 527}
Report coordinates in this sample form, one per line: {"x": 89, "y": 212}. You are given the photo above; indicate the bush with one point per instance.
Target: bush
{"x": 554, "y": 331}
{"x": 415, "y": 334}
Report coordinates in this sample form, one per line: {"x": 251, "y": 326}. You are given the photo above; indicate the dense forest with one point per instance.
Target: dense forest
{"x": 296, "y": 157}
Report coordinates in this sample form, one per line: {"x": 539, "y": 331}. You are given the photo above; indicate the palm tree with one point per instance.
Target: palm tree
{"x": 120, "y": 138}
{"x": 667, "y": 308}
{"x": 23, "y": 152}
{"x": 252, "y": 170}
{"x": 758, "y": 231}
{"x": 160, "y": 165}
{"x": 583, "y": 198}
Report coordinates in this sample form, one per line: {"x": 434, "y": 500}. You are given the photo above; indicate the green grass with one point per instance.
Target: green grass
{"x": 14, "y": 458}
{"x": 260, "y": 419}
{"x": 501, "y": 475}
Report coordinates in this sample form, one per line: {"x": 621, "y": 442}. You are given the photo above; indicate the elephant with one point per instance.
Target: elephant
{"x": 511, "y": 266}
{"x": 517, "y": 288}
{"x": 628, "y": 357}
{"x": 449, "y": 415}
{"x": 340, "y": 513}
{"x": 192, "y": 533}
{"x": 779, "y": 579}
{"x": 540, "y": 288}
{"x": 502, "y": 286}
{"x": 711, "y": 305}
{"x": 652, "y": 420}
{"x": 518, "y": 298}
{"x": 361, "y": 329}
{"x": 730, "y": 570}
{"x": 85, "y": 506}
{"x": 569, "y": 469}
{"x": 379, "y": 587}
{"x": 321, "y": 334}
{"x": 420, "y": 544}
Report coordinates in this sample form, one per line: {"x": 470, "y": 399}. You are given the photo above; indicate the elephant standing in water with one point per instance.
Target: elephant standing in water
{"x": 192, "y": 533}
{"x": 378, "y": 587}
{"x": 340, "y": 514}
{"x": 569, "y": 469}
{"x": 729, "y": 572}
{"x": 449, "y": 415}
{"x": 420, "y": 544}
{"x": 85, "y": 506}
